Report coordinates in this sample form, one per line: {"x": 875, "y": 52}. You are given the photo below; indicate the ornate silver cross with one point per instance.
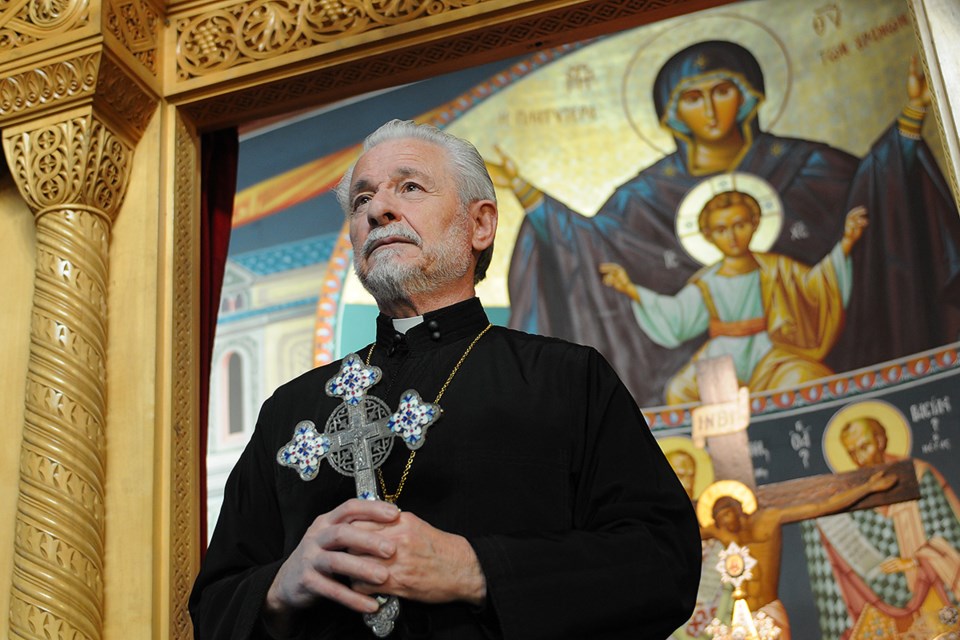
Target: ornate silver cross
{"x": 356, "y": 439}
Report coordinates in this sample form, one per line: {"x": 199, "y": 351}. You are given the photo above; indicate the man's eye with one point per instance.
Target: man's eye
{"x": 359, "y": 201}
{"x": 408, "y": 187}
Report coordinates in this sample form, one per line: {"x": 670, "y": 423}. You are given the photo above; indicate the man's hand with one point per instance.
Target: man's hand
{"x": 344, "y": 542}
{"x": 897, "y": 565}
{"x": 881, "y": 481}
{"x": 429, "y": 565}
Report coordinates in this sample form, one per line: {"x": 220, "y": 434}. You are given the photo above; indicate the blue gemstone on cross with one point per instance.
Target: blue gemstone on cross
{"x": 359, "y": 434}
{"x": 353, "y": 380}
{"x": 412, "y": 417}
{"x": 357, "y": 438}
{"x": 305, "y": 450}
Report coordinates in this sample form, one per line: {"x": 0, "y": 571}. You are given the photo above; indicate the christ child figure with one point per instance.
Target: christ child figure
{"x": 777, "y": 318}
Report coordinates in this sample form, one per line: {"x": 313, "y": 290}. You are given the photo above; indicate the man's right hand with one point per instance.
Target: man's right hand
{"x": 881, "y": 481}
{"x": 334, "y": 546}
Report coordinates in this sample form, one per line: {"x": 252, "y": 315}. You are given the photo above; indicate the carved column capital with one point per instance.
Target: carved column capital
{"x": 75, "y": 161}
{"x": 76, "y": 95}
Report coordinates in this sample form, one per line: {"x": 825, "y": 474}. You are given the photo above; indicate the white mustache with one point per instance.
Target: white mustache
{"x": 395, "y": 230}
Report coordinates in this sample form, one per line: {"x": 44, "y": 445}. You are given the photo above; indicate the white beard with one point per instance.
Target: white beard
{"x": 390, "y": 280}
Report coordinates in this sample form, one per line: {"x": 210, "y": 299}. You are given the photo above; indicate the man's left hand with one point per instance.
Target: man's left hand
{"x": 429, "y": 565}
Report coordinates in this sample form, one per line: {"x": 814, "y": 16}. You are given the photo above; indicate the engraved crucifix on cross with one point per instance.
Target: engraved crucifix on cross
{"x": 356, "y": 440}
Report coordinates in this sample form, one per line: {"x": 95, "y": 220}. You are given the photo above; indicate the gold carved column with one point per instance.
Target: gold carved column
{"x": 76, "y": 93}
{"x": 73, "y": 173}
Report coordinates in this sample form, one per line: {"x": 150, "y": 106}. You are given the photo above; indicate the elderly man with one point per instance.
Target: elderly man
{"x": 538, "y": 506}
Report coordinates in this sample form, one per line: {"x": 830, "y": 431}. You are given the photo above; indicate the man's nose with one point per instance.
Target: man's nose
{"x": 382, "y": 209}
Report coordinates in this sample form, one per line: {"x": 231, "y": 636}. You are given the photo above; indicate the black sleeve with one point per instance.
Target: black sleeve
{"x": 247, "y": 547}
{"x": 630, "y": 564}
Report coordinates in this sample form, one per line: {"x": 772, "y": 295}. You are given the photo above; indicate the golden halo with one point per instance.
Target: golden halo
{"x": 733, "y": 488}
{"x": 899, "y": 436}
{"x": 688, "y": 214}
{"x": 704, "y": 475}
{"x": 640, "y": 72}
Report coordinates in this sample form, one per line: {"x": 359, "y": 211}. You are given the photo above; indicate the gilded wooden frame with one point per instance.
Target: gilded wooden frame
{"x": 395, "y": 51}
{"x": 306, "y": 66}
{"x": 112, "y": 65}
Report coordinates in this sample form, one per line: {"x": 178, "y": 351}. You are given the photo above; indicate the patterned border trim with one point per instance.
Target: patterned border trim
{"x": 460, "y": 105}
{"x": 324, "y": 333}
{"x": 241, "y": 33}
{"x": 500, "y": 36}
{"x": 839, "y": 387}
{"x": 184, "y": 553}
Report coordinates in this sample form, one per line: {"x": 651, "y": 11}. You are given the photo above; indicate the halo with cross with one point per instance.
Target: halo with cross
{"x": 688, "y": 214}
{"x": 732, "y": 488}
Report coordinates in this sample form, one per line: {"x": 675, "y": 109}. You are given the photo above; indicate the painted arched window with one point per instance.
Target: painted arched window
{"x": 235, "y": 400}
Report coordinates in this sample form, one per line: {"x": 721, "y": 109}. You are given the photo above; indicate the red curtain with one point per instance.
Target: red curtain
{"x": 218, "y": 181}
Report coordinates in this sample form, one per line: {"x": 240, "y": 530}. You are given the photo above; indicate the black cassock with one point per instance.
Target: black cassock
{"x": 541, "y": 459}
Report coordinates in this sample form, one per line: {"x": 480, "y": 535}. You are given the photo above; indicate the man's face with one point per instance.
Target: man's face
{"x": 709, "y": 108}
{"x": 729, "y": 518}
{"x": 731, "y": 230}
{"x": 862, "y": 444}
{"x": 410, "y": 233}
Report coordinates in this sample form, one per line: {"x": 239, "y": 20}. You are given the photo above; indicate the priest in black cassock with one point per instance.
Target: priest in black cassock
{"x": 537, "y": 506}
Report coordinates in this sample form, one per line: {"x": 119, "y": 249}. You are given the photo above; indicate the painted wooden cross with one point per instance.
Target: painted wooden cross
{"x": 356, "y": 440}
{"x": 760, "y": 513}
{"x": 720, "y": 422}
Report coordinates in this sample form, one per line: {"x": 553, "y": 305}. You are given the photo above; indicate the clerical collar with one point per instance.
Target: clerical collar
{"x": 441, "y": 327}
{"x": 402, "y": 325}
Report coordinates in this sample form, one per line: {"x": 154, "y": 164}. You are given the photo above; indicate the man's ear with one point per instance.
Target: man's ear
{"x": 484, "y": 215}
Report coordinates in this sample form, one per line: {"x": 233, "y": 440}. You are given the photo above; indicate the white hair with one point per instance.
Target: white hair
{"x": 470, "y": 171}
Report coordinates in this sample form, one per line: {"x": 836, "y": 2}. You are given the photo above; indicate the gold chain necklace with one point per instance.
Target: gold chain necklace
{"x": 393, "y": 497}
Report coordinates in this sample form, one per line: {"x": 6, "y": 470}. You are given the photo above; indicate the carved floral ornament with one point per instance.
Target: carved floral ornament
{"x": 43, "y": 85}
{"x": 25, "y": 21}
{"x": 137, "y": 25}
{"x": 246, "y": 32}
